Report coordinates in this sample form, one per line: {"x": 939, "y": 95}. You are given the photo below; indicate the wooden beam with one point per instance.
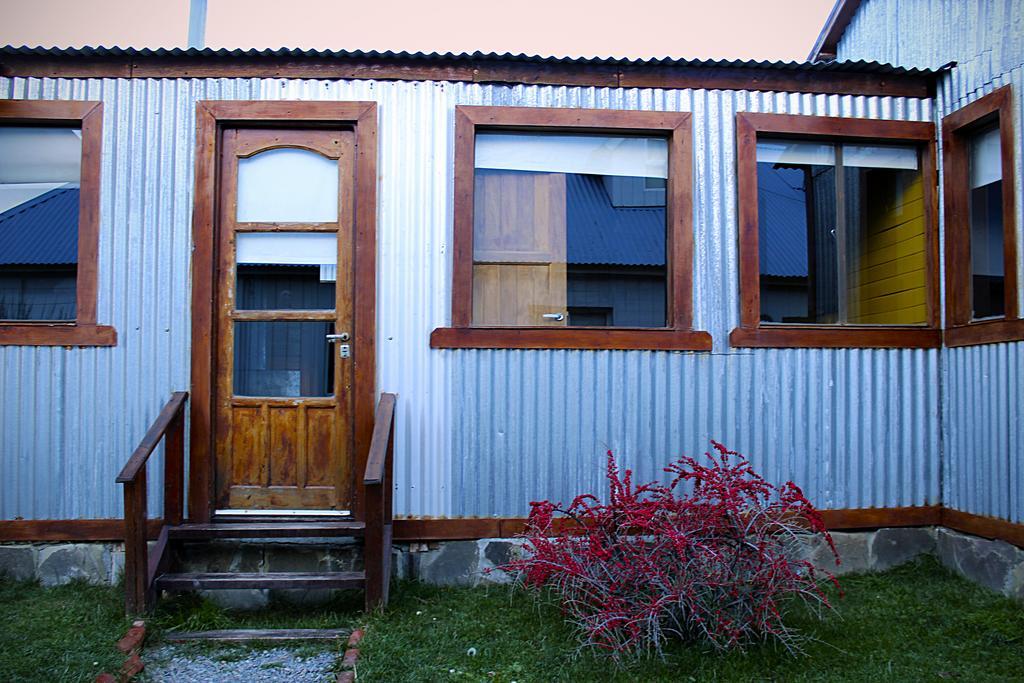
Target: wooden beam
{"x": 982, "y": 525}
{"x": 32, "y": 530}
{"x": 472, "y": 70}
{"x": 470, "y": 528}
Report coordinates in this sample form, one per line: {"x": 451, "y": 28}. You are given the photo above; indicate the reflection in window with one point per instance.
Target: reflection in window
{"x": 841, "y": 234}
{"x": 569, "y": 230}
{"x": 988, "y": 273}
{"x": 287, "y": 185}
{"x": 39, "y": 189}
{"x": 283, "y": 359}
{"x": 286, "y": 270}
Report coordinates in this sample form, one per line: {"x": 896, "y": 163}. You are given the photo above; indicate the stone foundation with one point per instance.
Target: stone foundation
{"x": 996, "y": 565}
{"x": 53, "y": 564}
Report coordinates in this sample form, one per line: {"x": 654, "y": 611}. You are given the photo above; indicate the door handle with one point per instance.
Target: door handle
{"x": 343, "y": 337}
{"x": 553, "y": 316}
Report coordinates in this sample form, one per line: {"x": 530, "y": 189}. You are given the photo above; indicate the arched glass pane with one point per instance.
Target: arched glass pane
{"x": 287, "y": 185}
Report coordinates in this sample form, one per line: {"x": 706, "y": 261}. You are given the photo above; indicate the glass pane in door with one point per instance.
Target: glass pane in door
{"x": 286, "y": 270}
{"x": 283, "y": 359}
{"x": 287, "y": 185}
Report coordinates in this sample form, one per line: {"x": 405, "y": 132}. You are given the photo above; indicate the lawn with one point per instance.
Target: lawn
{"x": 917, "y": 622}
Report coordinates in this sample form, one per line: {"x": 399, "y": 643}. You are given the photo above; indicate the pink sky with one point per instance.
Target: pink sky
{"x": 731, "y": 29}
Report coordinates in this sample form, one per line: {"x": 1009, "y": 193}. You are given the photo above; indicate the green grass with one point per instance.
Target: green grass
{"x": 915, "y": 623}
{"x": 65, "y": 633}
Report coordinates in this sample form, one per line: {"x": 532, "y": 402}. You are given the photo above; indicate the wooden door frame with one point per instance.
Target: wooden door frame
{"x": 212, "y": 116}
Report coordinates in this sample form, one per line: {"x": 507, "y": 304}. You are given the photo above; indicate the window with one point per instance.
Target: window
{"x": 49, "y": 204}
{"x": 837, "y": 232}
{"x": 981, "y": 263}
{"x": 572, "y": 230}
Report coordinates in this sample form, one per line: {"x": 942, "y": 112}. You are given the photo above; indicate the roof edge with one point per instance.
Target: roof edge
{"x": 854, "y": 78}
{"x": 824, "y": 48}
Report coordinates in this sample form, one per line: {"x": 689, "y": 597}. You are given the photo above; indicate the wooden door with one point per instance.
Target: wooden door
{"x": 284, "y": 356}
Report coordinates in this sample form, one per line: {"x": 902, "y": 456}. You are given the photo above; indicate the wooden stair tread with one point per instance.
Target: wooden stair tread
{"x": 290, "y": 529}
{"x": 232, "y": 580}
{"x": 261, "y": 634}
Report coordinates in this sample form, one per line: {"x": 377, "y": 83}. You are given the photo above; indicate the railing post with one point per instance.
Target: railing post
{"x": 136, "y": 560}
{"x": 378, "y": 495}
{"x": 174, "y": 470}
{"x": 387, "y": 491}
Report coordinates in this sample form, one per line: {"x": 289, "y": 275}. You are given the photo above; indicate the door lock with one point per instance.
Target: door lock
{"x": 344, "y": 348}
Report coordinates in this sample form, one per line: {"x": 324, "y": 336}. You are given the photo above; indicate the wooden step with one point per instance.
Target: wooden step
{"x": 230, "y": 580}
{"x": 260, "y": 634}
{"x": 290, "y": 529}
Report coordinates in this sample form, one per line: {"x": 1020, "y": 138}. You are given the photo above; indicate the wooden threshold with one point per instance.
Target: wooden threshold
{"x": 250, "y": 512}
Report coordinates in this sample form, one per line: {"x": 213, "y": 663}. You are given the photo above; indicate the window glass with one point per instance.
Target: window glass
{"x": 569, "y": 230}
{"x": 39, "y": 196}
{"x": 286, "y": 270}
{"x": 287, "y": 185}
{"x": 985, "y": 202}
{"x": 283, "y": 359}
{"x": 841, "y": 234}
{"x": 885, "y": 274}
{"x": 796, "y": 207}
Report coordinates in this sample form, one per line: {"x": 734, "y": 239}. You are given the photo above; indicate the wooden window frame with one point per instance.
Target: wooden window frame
{"x": 83, "y": 331}
{"x": 677, "y": 334}
{"x": 961, "y": 329}
{"x": 212, "y": 116}
{"x": 752, "y": 333}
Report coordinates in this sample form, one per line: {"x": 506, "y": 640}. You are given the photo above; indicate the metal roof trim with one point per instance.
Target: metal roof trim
{"x": 88, "y": 52}
{"x": 839, "y": 18}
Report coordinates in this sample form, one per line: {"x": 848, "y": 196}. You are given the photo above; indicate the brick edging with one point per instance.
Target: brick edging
{"x": 348, "y": 663}
{"x": 130, "y": 644}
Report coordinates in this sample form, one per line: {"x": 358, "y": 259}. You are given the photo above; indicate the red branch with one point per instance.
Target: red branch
{"x": 718, "y": 565}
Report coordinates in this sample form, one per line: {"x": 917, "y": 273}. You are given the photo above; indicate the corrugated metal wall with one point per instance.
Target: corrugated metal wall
{"x": 983, "y": 386}
{"x": 479, "y": 432}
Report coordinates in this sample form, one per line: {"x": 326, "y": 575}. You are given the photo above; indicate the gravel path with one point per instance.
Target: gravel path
{"x": 183, "y": 664}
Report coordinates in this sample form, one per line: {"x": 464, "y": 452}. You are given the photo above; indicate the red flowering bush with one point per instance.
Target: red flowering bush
{"x": 715, "y": 566}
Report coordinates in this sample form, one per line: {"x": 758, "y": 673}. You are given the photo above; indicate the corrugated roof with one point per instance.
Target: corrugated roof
{"x": 782, "y": 219}
{"x": 88, "y": 52}
{"x": 41, "y": 231}
{"x": 599, "y": 233}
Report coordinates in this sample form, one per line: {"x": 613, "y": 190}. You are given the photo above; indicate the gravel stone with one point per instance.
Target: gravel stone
{"x": 184, "y": 664}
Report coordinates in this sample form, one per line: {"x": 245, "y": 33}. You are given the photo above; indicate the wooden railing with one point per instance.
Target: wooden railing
{"x": 139, "y": 569}
{"x": 378, "y": 488}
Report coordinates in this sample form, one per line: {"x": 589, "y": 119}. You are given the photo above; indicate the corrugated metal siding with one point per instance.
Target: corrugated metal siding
{"x": 855, "y": 428}
{"x": 71, "y": 417}
{"x": 479, "y": 432}
{"x": 983, "y": 386}
{"x": 984, "y": 430}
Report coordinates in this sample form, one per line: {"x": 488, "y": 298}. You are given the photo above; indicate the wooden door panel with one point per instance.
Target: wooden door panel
{"x": 292, "y": 450}
{"x": 519, "y": 249}
{"x": 247, "y": 446}
{"x": 321, "y": 437}
{"x": 285, "y": 449}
